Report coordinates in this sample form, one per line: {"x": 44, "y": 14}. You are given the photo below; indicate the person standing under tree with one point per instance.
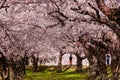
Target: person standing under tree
{"x": 70, "y": 59}
{"x": 108, "y": 56}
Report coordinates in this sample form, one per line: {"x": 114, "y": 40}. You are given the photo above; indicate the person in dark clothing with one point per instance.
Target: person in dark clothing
{"x": 70, "y": 59}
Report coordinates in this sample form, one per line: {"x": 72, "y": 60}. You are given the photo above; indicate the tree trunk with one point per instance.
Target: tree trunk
{"x": 79, "y": 64}
{"x": 35, "y": 67}
{"x": 101, "y": 65}
{"x": 60, "y": 62}
{"x": 5, "y": 72}
{"x": 35, "y": 64}
{"x": 115, "y": 66}
{"x": 18, "y": 69}
{"x": 94, "y": 70}
{"x": 98, "y": 66}
{"x": 23, "y": 67}
{"x": 4, "y": 66}
{"x": 24, "y": 63}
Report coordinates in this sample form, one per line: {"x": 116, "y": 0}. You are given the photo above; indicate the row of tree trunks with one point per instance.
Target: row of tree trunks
{"x": 97, "y": 59}
{"x": 11, "y": 69}
{"x": 113, "y": 15}
{"x": 112, "y": 21}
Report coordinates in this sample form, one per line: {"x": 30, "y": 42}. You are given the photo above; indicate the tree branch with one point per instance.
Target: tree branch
{"x": 8, "y": 36}
{"x": 96, "y": 10}
{"x": 3, "y": 5}
{"x": 112, "y": 14}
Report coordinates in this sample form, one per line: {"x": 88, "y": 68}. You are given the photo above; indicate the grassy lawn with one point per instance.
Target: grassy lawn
{"x": 49, "y": 74}
{"x": 52, "y": 75}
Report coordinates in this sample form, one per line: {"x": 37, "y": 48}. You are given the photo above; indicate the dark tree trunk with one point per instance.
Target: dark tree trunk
{"x": 60, "y": 62}
{"x": 24, "y": 63}
{"x": 97, "y": 64}
{"x": 79, "y": 63}
{"x": 23, "y": 66}
{"x": 4, "y": 66}
{"x": 35, "y": 64}
{"x": 5, "y": 72}
{"x": 101, "y": 64}
{"x": 94, "y": 69}
{"x": 115, "y": 66}
{"x": 18, "y": 69}
{"x": 14, "y": 69}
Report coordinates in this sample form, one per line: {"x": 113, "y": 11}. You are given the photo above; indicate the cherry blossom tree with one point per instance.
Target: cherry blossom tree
{"x": 39, "y": 29}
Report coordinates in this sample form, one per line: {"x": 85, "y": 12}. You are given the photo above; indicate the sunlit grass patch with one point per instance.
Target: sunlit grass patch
{"x": 48, "y": 75}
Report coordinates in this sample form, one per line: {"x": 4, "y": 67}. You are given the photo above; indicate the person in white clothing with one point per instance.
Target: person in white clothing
{"x": 108, "y": 59}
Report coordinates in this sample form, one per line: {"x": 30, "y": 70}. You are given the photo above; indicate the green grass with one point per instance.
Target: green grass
{"x": 49, "y": 73}
{"x": 52, "y": 75}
